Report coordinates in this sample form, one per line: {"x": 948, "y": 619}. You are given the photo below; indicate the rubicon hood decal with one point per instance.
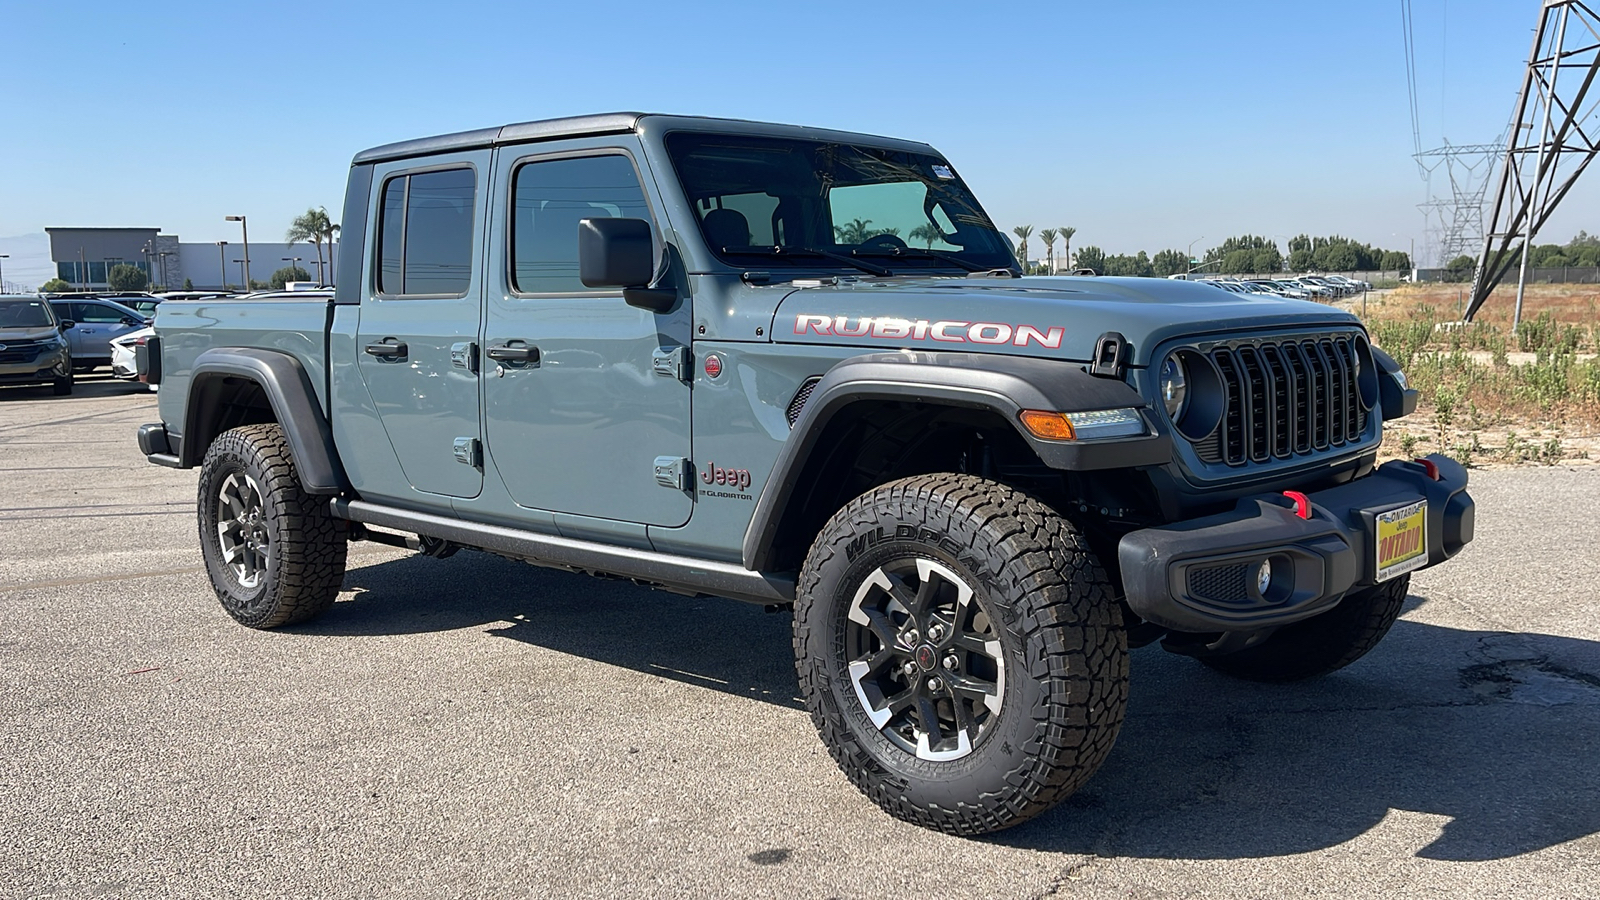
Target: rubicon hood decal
{"x": 945, "y": 331}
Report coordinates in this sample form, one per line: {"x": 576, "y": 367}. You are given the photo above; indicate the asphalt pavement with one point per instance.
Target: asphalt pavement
{"x": 475, "y": 727}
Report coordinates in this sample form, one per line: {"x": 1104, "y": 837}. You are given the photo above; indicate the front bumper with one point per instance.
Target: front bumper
{"x": 42, "y": 367}
{"x": 1197, "y": 576}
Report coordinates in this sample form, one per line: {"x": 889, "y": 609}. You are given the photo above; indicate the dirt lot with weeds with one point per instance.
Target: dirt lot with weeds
{"x": 1489, "y": 397}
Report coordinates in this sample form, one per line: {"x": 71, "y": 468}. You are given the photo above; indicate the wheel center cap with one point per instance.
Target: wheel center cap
{"x": 926, "y": 658}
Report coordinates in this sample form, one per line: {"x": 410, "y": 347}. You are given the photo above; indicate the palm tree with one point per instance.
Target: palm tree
{"x": 927, "y": 234}
{"x": 313, "y": 227}
{"x": 1048, "y": 235}
{"x": 1066, "y": 232}
{"x": 1022, "y": 232}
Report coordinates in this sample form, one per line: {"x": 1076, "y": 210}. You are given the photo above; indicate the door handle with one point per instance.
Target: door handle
{"x": 513, "y": 354}
{"x": 388, "y": 348}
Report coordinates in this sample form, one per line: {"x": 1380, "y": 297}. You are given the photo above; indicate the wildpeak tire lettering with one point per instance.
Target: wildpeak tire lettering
{"x": 949, "y": 331}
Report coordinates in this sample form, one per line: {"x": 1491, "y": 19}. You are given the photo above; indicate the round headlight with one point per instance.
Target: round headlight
{"x": 1174, "y": 386}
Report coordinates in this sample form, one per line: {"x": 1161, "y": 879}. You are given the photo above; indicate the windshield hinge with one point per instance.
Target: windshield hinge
{"x": 1111, "y": 351}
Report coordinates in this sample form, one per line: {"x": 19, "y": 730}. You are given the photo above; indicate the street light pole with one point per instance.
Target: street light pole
{"x": 163, "y": 257}
{"x": 222, "y": 263}
{"x": 245, "y": 274}
{"x": 245, "y": 227}
{"x": 1189, "y": 254}
{"x": 3, "y": 272}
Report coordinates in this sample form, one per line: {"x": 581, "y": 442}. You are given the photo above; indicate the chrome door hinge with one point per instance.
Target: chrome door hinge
{"x": 464, "y": 355}
{"x": 672, "y": 472}
{"x": 469, "y": 452}
{"x": 672, "y": 362}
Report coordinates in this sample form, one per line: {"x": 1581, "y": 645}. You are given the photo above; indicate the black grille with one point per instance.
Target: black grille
{"x": 19, "y": 351}
{"x": 798, "y": 404}
{"x": 1285, "y": 399}
{"x": 1220, "y": 584}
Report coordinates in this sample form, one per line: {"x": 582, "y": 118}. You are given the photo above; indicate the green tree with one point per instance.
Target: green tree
{"x": 1137, "y": 266}
{"x": 1092, "y": 257}
{"x": 1022, "y": 232}
{"x": 124, "y": 277}
{"x": 1266, "y": 261}
{"x": 1238, "y": 262}
{"x": 287, "y": 274}
{"x": 1066, "y": 232}
{"x": 1460, "y": 268}
{"x": 1169, "y": 262}
{"x": 927, "y": 234}
{"x": 1394, "y": 260}
{"x": 188, "y": 284}
{"x": 313, "y": 227}
{"x": 55, "y": 286}
{"x": 1048, "y": 235}
{"x": 1301, "y": 260}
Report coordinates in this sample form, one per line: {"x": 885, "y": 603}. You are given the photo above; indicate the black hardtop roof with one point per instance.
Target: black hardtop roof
{"x": 609, "y": 123}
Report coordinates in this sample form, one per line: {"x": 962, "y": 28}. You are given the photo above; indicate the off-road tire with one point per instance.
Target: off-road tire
{"x": 62, "y": 387}
{"x": 1046, "y": 598}
{"x": 1323, "y": 643}
{"x": 304, "y": 565}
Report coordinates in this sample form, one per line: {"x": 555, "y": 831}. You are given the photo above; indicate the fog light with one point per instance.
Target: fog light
{"x": 1264, "y": 577}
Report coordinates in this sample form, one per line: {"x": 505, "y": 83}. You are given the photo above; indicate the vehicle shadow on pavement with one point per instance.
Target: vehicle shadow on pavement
{"x": 1490, "y": 736}
{"x": 85, "y": 386}
{"x": 724, "y": 645}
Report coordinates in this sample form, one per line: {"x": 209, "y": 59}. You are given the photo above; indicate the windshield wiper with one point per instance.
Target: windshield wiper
{"x": 778, "y": 252}
{"x": 927, "y": 254}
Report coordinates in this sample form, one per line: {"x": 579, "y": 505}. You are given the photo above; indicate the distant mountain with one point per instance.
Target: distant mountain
{"x": 29, "y": 265}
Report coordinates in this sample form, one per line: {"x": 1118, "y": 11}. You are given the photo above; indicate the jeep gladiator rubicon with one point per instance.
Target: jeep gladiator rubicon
{"x": 797, "y": 366}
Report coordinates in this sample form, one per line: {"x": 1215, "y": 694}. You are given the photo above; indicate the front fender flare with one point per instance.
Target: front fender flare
{"x": 1006, "y": 385}
{"x": 294, "y": 403}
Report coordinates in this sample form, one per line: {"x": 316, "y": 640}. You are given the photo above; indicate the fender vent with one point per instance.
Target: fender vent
{"x": 798, "y": 404}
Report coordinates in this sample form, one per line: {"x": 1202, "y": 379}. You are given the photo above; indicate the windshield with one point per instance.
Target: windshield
{"x": 25, "y": 314}
{"x": 810, "y": 202}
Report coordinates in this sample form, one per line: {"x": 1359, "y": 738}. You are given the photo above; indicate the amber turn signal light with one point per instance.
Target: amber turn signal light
{"x": 1052, "y": 426}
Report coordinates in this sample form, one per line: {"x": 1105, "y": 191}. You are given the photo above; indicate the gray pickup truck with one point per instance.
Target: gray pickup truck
{"x": 795, "y": 366}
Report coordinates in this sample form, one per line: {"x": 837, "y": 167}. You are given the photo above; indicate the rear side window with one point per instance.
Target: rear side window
{"x": 425, "y": 233}
{"x": 549, "y": 199}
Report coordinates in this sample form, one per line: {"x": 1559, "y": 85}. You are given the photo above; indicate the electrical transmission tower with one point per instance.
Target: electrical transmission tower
{"x": 1455, "y": 223}
{"x": 1550, "y": 143}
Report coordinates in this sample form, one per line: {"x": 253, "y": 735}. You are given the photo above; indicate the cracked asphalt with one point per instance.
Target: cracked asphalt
{"x": 473, "y": 727}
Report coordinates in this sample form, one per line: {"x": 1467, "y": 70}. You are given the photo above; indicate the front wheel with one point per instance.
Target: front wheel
{"x": 960, "y": 652}
{"x": 275, "y": 554}
{"x": 62, "y": 386}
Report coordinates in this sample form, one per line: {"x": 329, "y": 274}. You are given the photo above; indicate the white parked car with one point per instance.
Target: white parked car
{"x": 123, "y": 349}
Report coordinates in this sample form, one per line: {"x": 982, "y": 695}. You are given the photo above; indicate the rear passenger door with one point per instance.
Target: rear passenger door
{"x": 420, "y": 317}
{"x": 581, "y": 425}
{"x": 97, "y": 322}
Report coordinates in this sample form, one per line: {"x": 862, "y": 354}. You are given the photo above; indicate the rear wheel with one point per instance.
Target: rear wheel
{"x": 1324, "y": 643}
{"x": 960, "y": 652}
{"x": 275, "y": 554}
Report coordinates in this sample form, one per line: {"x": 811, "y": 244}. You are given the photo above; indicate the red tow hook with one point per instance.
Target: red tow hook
{"x": 1302, "y": 503}
{"x": 1429, "y": 466}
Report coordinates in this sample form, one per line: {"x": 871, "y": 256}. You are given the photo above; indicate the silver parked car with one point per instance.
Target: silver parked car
{"x": 95, "y": 323}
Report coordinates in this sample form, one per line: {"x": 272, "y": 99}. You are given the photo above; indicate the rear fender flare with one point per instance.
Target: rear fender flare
{"x": 1005, "y": 385}
{"x": 294, "y": 404}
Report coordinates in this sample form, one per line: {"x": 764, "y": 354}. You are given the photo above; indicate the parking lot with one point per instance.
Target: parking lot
{"x": 476, "y": 727}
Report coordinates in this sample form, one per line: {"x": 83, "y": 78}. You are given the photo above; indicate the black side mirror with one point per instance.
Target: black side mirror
{"x": 65, "y": 324}
{"x": 621, "y": 253}
{"x": 130, "y": 320}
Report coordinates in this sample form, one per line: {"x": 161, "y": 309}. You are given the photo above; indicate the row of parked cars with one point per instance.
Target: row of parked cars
{"x": 51, "y": 338}
{"x": 1300, "y": 287}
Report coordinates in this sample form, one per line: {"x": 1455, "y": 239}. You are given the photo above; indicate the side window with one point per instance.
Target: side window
{"x": 549, "y": 198}
{"x": 425, "y": 233}
{"x": 100, "y": 315}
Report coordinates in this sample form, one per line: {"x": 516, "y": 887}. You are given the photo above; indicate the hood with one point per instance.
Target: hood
{"x": 27, "y": 333}
{"x": 1055, "y": 316}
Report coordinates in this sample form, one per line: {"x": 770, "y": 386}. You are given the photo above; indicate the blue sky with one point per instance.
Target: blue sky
{"x": 1143, "y": 124}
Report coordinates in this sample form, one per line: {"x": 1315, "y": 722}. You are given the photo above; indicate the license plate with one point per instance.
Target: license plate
{"x": 1402, "y": 540}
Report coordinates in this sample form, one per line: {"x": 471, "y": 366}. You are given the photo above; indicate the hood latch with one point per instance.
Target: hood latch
{"x": 1111, "y": 352}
